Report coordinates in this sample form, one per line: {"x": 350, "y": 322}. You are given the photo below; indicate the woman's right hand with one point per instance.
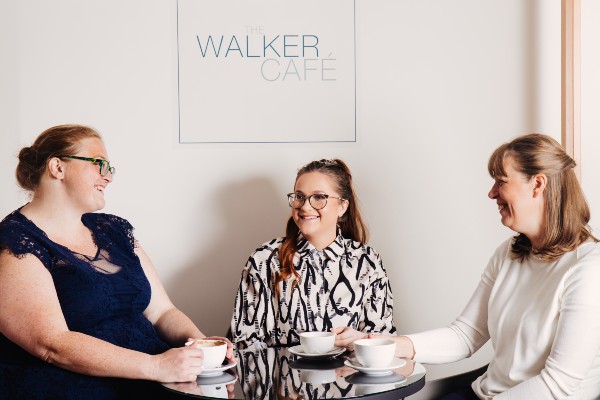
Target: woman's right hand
{"x": 182, "y": 364}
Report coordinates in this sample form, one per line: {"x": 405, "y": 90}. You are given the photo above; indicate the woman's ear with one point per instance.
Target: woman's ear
{"x": 342, "y": 208}
{"x": 56, "y": 168}
{"x": 539, "y": 184}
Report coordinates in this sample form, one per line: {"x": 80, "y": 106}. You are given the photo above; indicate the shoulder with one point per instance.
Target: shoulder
{"x": 107, "y": 221}
{"x": 585, "y": 260}
{"x": 361, "y": 254}
{"x": 588, "y": 250}
{"x": 109, "y": 228}
{"x": 268, "y": 247}
{"x": 20, "y": 237}
{"x": 582, "y": 276}
{"x": 358, "y": 249}
{"x": 502, "y": 252}
{"x": 504, "y": 248}
{"x": 11, "y": 232}
{"x": 8, "y": 221}
{"x": 15, "y": 218}
{"x": 499, "y": 259}
{"x": 265, "y": 253}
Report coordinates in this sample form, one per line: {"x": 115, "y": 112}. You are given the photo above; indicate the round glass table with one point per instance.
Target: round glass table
{"x": 281, "y": 373}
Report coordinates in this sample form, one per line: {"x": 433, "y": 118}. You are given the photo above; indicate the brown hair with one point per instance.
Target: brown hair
{"x": 350, "y": 224}
{"x": 566, "y": 210}
{"x": 55, "y": 141}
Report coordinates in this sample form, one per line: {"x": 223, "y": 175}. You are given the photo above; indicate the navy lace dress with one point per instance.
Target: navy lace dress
{"x": 103, "y": 296}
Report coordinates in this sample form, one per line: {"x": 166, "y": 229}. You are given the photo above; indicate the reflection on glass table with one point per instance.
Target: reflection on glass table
{"x": 277, "y": 373}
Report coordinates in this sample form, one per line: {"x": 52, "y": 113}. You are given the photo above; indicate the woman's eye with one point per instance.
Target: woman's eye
{"x": 319, "y": 196}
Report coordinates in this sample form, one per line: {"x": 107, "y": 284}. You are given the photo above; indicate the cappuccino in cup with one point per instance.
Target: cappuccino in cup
{"x": 214, "y": 350}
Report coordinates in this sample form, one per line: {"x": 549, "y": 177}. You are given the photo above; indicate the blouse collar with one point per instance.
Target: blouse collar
{"x": 334, "y": 251}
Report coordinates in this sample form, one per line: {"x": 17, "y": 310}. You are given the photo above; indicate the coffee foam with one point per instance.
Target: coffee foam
{"x": 208, "y": 343}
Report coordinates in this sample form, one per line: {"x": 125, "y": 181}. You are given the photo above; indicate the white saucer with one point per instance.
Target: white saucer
{"x": 224, "y": 378}
{"x": 396, "y": 363}
{"x": 297, "y": 350}
{"x": 359, "y": 378}
{"x": 218, "y": 370}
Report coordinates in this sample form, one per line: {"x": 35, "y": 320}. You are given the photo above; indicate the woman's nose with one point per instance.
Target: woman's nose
{"x": 307, "y": 205}
{"x": 493, "y": 193}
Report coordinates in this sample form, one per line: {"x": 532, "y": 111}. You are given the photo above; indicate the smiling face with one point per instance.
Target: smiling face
{"x": 82, "y": 179}
{"x": 318, "y": 226}
{"x": 520, "y": 201}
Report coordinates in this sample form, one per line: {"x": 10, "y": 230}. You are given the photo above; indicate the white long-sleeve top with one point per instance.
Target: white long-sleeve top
{"x": 544, "y": 322}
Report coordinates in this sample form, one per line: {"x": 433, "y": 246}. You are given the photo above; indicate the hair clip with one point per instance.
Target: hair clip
{"x": 329, "y": 161}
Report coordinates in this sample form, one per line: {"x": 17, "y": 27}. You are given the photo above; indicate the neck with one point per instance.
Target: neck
{"x": 52, "y": 215}
{"x": 535, "y": 244}
{"x": 321, "y": 242}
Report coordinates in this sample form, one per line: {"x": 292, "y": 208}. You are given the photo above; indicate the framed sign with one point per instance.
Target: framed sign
{"x": 266, "y": 71}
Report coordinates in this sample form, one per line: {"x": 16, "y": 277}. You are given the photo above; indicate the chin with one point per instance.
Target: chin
{"x": 306, "y": 233}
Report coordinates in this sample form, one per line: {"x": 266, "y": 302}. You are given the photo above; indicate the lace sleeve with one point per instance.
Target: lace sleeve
{"x": 112, "y": 228}
{"x": 20, "y": 241}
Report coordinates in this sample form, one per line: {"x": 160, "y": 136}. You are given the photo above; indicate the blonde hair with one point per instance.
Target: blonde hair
{"x": 567, "y": 213}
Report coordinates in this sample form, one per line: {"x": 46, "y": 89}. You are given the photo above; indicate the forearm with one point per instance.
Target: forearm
{"x": 175, "y": 327}
{"x": 439, "y": 346}
{"x": 87, "y": 355}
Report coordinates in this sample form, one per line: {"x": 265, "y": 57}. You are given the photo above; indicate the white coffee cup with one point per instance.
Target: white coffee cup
{"x": 317, "y": 342}
{"x": 375, "y": 353}
{"x": 214, "y": 350}
{"x": 317, "y": 376}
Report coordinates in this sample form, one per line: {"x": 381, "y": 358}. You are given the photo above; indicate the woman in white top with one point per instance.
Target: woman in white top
{"x": 539, "y": 297}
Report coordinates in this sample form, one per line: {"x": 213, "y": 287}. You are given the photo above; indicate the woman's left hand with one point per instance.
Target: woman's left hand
{"x": 345, "y": 336}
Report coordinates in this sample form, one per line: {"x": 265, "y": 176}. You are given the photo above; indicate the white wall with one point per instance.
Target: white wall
{"x": 440, "y": 85}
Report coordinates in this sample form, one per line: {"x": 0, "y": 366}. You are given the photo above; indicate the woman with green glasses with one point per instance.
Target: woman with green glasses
{"x": 83, "y": 308}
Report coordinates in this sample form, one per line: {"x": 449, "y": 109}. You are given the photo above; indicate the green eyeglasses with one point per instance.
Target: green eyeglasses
{"x": 105, "y": 167}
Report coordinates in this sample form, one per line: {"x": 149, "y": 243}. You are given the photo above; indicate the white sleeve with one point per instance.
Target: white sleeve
{"x": 577, "y": 340}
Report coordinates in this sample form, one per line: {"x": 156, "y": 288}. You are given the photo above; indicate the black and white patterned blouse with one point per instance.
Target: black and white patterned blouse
{"x": 344, "y": 284}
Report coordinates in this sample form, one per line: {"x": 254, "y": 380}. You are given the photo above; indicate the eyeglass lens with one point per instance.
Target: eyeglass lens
{"x": 105, "y": 168}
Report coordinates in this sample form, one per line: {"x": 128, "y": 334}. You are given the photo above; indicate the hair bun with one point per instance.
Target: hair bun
{"x": 29, "y": 155}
